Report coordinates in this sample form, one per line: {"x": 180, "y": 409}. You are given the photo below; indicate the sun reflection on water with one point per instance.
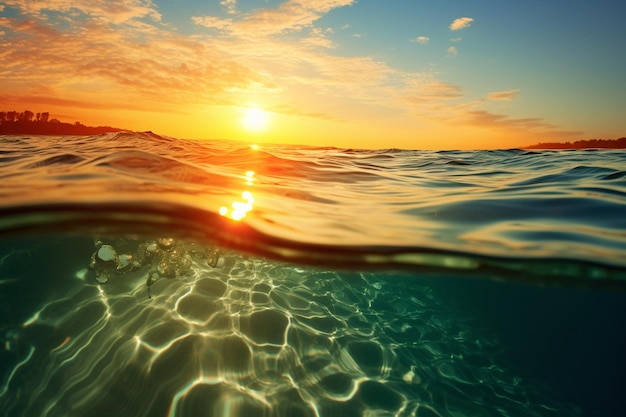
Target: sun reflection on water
{"x": 239, "y": 209}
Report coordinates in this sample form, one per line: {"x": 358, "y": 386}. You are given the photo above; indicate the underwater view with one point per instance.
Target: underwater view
{"x": 142, "y": 275}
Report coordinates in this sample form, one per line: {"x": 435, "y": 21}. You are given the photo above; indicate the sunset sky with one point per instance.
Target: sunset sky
{"x": 418, "y": 74}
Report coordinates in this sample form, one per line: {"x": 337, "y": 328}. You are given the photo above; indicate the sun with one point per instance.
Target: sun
{"x": 255, "y": 119}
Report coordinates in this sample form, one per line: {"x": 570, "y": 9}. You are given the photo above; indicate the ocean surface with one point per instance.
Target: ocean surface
{"x": 143, "y": 275}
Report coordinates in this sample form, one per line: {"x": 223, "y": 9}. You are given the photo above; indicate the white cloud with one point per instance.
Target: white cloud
{"x": 292, "y": 15}
{"x": 421, "y": 39}
{"x": 461, "y": 23}
{"x": 318, "y": 37}
{"x": 459, "y": 39}
{"x": 508, "y": 95}
{"x": 453, "y": 51}
{"x": 230, "y": 5}
{"x": 212, "y": 22}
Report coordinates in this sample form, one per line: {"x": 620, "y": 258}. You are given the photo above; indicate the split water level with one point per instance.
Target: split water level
{"x": 142, "y": 275}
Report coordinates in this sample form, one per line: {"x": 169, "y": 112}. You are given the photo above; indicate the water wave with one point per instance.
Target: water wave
{"x": 140, "y": 275}
{"x": 473, "y": 210}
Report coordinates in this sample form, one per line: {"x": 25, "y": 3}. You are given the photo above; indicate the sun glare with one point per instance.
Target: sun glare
{"x": 255, "y": 119}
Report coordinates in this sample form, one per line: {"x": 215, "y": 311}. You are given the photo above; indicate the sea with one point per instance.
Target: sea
{"x": 144, "y": 275}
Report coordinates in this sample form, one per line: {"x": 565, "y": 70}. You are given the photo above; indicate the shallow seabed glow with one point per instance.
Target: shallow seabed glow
{"x": 252, "y": 337}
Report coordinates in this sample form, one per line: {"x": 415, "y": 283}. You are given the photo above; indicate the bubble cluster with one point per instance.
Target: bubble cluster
{"x": 163, "y": 258}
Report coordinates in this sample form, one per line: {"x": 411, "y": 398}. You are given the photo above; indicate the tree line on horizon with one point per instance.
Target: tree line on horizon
{"x": 29, "y": 123}
{"x": 583, "y": 144}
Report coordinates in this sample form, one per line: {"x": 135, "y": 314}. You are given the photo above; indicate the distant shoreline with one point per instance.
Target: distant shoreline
{"x": 14, "y": 122}
{"x": 23, "y": 127}
{"x": 29, "y": 123}
{"x": 583, "y": 144}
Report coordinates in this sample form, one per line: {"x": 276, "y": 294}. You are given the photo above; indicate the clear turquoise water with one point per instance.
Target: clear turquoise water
{"x": 358, "y": 282}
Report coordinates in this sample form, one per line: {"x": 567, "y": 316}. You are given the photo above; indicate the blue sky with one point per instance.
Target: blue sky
{"x": 403, "y": 73}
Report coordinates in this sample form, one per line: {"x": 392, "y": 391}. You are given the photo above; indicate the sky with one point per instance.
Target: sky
{"x": 412, "y": 74}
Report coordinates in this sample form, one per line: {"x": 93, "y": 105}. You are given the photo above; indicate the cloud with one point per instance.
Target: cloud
{"x": 482, "y": 118}
{"x": 293, "y": 111}
{"x": 421, "y": 39}
{"x": 48, "y": 100}
{"x": 113, "y": 65}
{"x": 452, "y": 51}
{"x": 115, "y": 11}
{"x": 508, "y": 95}
{"x": 212, "y": 22}
{"x": 459, "y": 39}
{"x": 135, "y": 62}
{"x": 292, "y": 15}
{"x": 424, "y": 89}
{"x": 461, "y": 23}
{"x": 124, "y": 63}
{"x": 318, "y": 37}
{"x": 230, "y": 5}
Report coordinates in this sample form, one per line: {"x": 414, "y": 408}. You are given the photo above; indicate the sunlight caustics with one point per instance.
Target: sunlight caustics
{"x": 255, "y": 119}
{"x": 209, "y": 343}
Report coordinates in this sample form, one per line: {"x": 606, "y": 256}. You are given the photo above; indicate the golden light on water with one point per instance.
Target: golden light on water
{"x": 239, "y": 209}
{"x": 249, "y": 177}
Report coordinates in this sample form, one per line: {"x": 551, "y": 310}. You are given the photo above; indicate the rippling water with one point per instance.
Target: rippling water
{"x": 147, "y": 276}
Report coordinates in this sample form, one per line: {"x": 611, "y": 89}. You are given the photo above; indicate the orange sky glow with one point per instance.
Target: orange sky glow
{"x": 323, "y": 72}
